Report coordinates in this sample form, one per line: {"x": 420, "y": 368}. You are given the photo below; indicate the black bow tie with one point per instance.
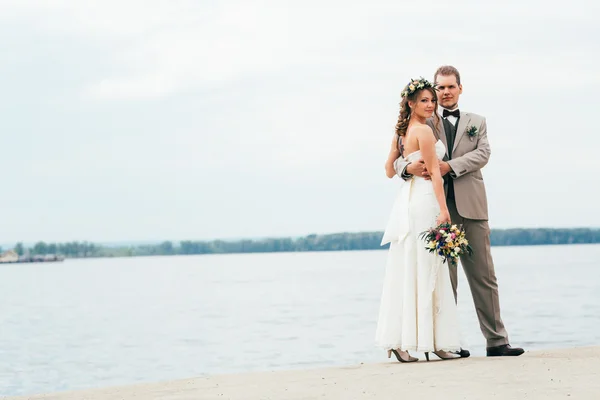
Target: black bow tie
{"x": 455, "y": 113}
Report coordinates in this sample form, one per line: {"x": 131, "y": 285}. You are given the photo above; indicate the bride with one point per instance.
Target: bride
{"x": 418, "y": 310}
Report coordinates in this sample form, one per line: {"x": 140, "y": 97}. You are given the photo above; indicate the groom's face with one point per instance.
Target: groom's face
{"x": 448, "y": 91}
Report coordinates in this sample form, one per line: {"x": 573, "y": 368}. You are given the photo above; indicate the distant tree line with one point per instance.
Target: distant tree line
{"x": 71, "y": 249}
{"x": 528, "y": 237}
{"x": 329, "y": 242}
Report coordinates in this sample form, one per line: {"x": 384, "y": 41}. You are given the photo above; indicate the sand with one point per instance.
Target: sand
{"x": 552, "y": 374}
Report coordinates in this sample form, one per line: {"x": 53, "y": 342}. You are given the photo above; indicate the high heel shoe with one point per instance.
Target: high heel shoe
{"x": 444, "y": 355}
{"x": 400, "y": 358}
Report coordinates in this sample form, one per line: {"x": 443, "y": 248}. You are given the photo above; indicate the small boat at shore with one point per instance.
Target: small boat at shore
{"x": 10, "y": 257}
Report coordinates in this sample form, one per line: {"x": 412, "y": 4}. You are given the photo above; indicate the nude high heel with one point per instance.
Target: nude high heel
{"x": 400, "y": 358}
{"x": 444, "y": 355}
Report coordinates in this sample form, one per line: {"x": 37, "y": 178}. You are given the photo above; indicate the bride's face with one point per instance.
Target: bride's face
{"x": 425, "y": 104}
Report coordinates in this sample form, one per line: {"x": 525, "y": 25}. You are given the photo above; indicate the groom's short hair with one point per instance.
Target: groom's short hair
{"x": 447, "y": 70}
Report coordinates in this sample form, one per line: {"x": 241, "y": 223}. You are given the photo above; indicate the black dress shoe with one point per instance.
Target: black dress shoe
{"x": 463, "y": 353}
{"x": 504, "y": 350}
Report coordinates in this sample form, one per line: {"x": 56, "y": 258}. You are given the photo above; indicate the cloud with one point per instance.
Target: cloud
{"x": 274, "y": 117}
{"x": 165, "y": 48}
{"x": 149, "y": 86}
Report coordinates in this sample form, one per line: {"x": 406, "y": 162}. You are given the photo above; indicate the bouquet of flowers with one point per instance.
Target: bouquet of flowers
{"x": 448, "y": 241}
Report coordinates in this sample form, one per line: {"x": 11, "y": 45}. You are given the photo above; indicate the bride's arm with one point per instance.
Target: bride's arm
{"x": 394, "y": 154}
{"x": 427, "y": 142}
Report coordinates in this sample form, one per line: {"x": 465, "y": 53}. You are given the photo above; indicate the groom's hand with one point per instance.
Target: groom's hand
{"x": 444, "y": 168}
{"x": 416, "y": 168}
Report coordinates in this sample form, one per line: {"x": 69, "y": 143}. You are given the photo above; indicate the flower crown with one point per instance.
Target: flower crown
{"x": 417, "y": 84}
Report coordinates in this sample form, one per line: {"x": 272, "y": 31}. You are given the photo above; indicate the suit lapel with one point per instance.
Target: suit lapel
{"x": 463, "y": 122}
{"x": 441, "y": 134}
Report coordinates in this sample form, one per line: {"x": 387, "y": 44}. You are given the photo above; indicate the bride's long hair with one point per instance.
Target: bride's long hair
{"x": 406, "y": 112}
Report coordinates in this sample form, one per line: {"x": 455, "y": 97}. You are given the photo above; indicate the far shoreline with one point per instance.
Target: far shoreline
{"x": 342, "y": 241}
{"x": 315, "y": 251}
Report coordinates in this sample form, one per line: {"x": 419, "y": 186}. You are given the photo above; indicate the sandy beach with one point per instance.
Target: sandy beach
{"x": 552, "y": 374}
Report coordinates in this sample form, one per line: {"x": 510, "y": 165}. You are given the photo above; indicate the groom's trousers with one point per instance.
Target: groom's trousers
{"x": 479, "y": 271}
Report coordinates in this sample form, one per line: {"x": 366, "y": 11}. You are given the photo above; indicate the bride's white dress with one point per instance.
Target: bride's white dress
{"x": 417, "y": 310}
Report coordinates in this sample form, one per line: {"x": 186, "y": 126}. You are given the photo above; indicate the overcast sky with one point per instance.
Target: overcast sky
{"x": 151, "y": 120}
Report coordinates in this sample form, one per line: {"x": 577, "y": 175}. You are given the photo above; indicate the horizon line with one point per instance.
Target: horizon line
{"x": 255, "y": 238}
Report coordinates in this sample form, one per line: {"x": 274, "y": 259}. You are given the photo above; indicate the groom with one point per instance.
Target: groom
{"x": 467, "y": 151}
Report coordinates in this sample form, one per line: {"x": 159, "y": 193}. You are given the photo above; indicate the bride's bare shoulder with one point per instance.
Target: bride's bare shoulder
{"x": 423, "y": 131}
